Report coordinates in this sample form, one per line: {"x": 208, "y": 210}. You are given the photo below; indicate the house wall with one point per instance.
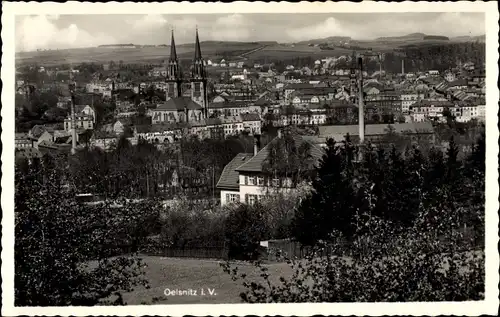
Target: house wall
{"x": 259, "y": 190}
{"x": 224, "y": 193}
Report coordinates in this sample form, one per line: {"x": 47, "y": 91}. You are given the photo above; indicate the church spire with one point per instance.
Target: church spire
{"x": 173, "y": 52}
{"x": 197, "y": 52}
{"x": 198, "y": 70}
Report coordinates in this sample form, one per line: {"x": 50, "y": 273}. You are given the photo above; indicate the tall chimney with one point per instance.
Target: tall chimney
{"x": 72, "y": 88}
{"x": 361, "y": 103}
{"x": 403, "y": 66}
{"x": 256, "y": 142}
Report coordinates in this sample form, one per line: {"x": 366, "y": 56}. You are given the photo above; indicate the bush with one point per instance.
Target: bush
{"x": 420, "y": 269}
{"x": 245, "y": 229}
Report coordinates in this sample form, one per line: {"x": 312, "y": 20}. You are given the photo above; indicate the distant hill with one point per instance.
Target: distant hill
{"x": 412, "y": 37}
{"x": 117, "y": 45}
{"x": 330, "y": 39}
{"x": 479, "y": 38}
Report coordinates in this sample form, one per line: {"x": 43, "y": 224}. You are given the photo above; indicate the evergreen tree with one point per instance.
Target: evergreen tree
{"x": 332, "y": 205}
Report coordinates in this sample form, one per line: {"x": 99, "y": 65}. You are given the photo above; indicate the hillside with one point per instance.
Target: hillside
{"x": 231, "y": 50}
{"x": 479, "y": 38}
{"x": 330, "y": 39}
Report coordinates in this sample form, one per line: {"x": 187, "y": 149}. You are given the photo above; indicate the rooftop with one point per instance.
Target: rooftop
{"x": 179, "y": 103}
{"x": 255, "y": 163}
{"x": 229, "y": 178}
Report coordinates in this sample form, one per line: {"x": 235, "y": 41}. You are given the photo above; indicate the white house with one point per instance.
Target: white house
{"x": 244, "y": 181}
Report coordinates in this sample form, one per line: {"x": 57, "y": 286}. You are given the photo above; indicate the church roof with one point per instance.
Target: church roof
{"x": 179, "y": 103}
{"x": 197, "y": 52}
{"x": 173, "y": 52}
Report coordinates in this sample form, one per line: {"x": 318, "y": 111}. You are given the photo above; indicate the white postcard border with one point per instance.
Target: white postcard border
{"x": 488, "y": 306}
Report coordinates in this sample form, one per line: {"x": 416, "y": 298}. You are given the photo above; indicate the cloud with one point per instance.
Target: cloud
{"x": 329, "y": 27}
{"x": 41, "y": 32}
{"x": 458, "y": 24}
{"x": 150, "y": 21}
{"x": 373, "y": 26}
{"x": 234, "y": 27}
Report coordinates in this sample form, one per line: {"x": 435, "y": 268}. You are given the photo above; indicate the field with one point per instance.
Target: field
{"x": 215, "y": 50}
{"x": 129, "y": 55}
{"x": 184, "y": 274}
{"x": 173, "y": 273}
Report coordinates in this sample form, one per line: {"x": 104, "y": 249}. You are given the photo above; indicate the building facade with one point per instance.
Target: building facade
{"x": 197, "y": 81}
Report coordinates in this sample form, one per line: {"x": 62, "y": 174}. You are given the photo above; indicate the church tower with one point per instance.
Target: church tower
{"x": 199, "y": 79}
{"x": 174, "y": 74}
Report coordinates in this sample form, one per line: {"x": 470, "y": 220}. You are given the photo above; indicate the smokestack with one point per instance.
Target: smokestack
{"x": 256, "y": 143}
{"x": 72, "y": 87}
{"x": 361, "y": 103}
{"x": 403, "y": 66}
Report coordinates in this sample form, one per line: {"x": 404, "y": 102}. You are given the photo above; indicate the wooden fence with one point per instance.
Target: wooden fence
{"x": 220, "y": 253}
{"x": 279, "y": 250}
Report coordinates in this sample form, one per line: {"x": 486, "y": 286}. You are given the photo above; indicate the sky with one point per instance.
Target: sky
{"x": 72, "y": 31}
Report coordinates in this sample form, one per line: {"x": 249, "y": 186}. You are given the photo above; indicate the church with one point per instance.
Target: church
{"x": 178, "y": 107}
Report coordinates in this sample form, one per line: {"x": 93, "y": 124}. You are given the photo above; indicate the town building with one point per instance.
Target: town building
{"x": 23, "y": 140}
{"x": 82, "y": 121}
{"x": 244, "y": 179}
{"x": 176, "y": 101}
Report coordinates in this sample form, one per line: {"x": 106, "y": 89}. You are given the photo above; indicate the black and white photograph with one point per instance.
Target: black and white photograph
{"x": 163, "y": 158}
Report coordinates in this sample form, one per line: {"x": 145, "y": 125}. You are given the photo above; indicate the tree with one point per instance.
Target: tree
{"x": 245, "y": 229}
{"x": 63, "y": 249}
{"x": 332, "y": 203}
{"x": 289, "y": 159}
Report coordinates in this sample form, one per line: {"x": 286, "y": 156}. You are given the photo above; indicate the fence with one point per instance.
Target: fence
{"x": 208, "y": 251}
{"x": 278, "y": 250}
{"x": 197, "y": 253}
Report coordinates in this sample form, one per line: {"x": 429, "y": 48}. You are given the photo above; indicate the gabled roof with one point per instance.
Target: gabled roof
{"x": 458, "y": 82}
{"x": 299, "y": 86}
{"x": 179, "y": 103}
{"x": 255, "y": 163}
{"x": 225, "y": 105}
{"x": 229, "y": 178}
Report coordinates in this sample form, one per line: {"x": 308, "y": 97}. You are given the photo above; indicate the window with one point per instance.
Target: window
{"x": 276, "y": 182}
{"x": 232, "y": 198}
{"x": 251, "y": 180}
{"x": 251, "y": 199}
{"x": 260, "y": 181}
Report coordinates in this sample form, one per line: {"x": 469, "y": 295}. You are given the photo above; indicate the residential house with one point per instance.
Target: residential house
{"x": 232, "y": 126}
{"x": 251, "y": 123}
{"x": 426, "y": 109}
{"x": 120, "y": 126}
{"x": 158, "y": 72}
{"x": 474, "y": 108}
{"x": 103, "y": 140}
{"x": 86, "y": 110}
{"x": 227, "y": 108}
{"x": 82, "y": 121}
{"x": 244, "y": 179}
{"x": 409, "y": 97}
{"x": 450, "y": 76}
{"x": 385, "y": 103}
{"x": 156, "y": 133}
{"x": 23, "y": 140}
